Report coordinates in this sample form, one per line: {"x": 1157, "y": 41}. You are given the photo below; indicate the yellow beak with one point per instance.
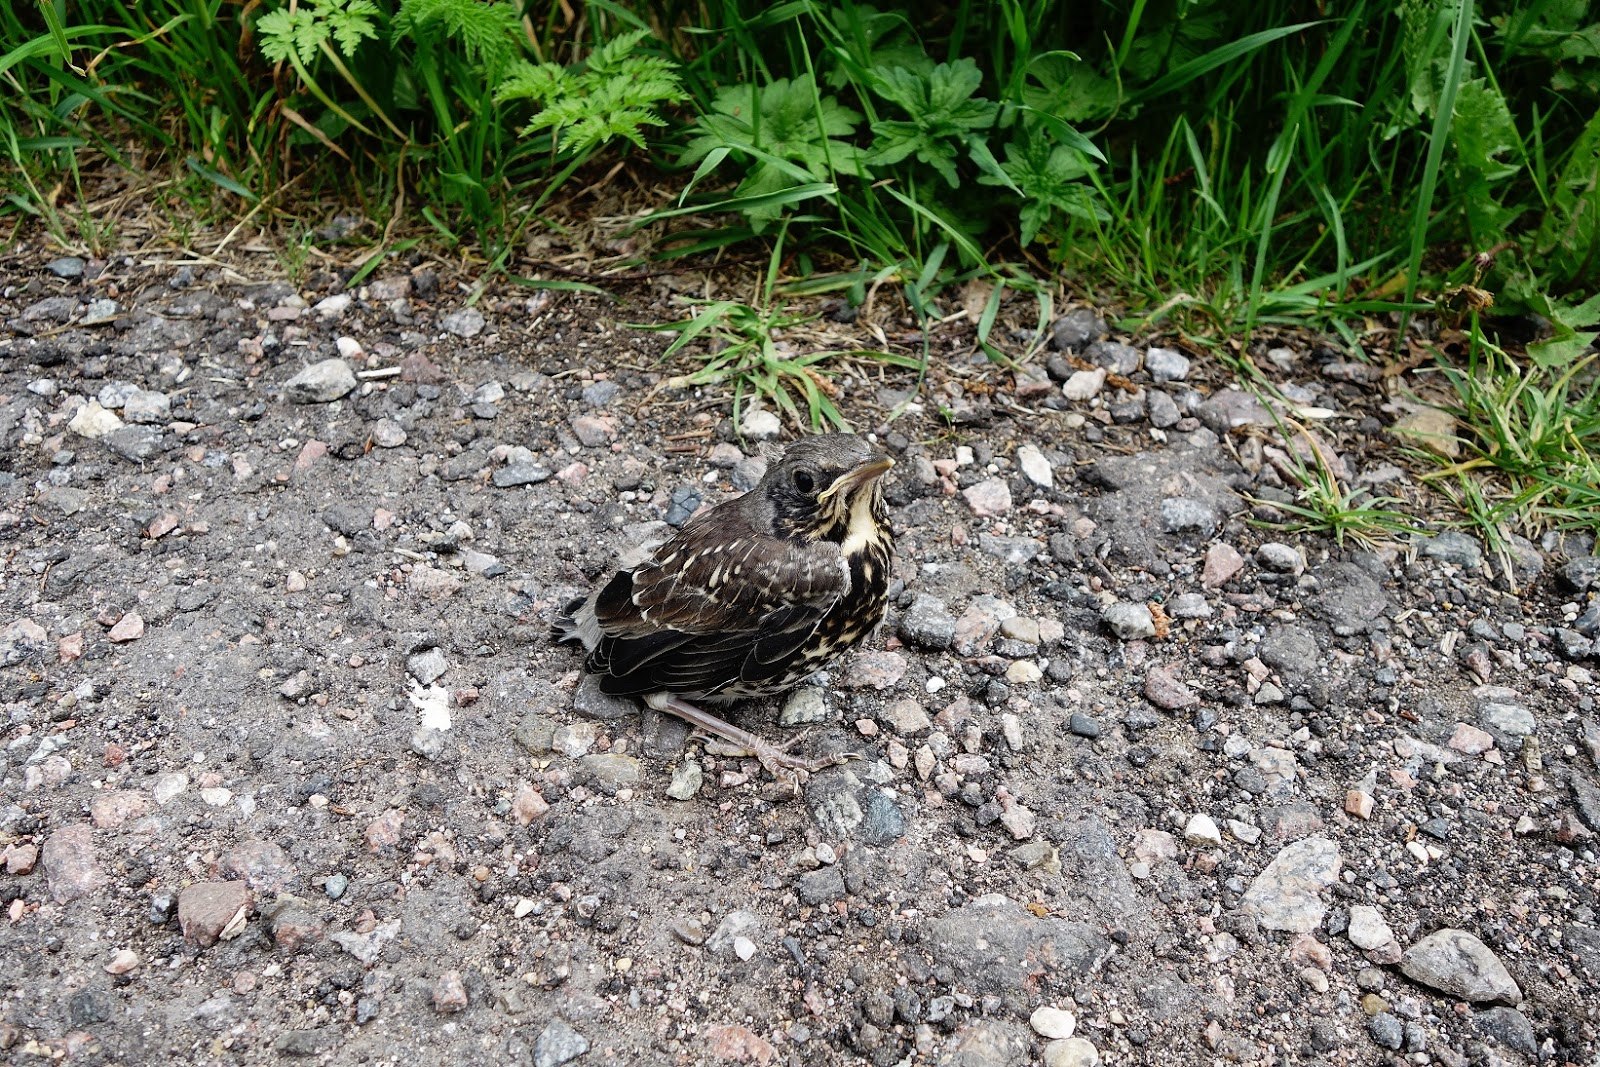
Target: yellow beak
{"x": 862, "y": 475}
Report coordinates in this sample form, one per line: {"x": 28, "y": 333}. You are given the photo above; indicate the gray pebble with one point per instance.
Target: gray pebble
{"x": 427, "y": 666}
{"x": 1280, "y": 558}
{"x": 1114, "y": 356}
{"x": 1386, "y": 1030}
{"x": 1180, "y": 514}
{"x": 1164, "y": 413}
{"x": 1130, "y": 622}
{"x": 685, "y": 499}
{"x": 1166, "y": 365}
{"x": 927, "y": 624}
{"x": 1083, "y": 725}
{"x": 557, "y": 1044}
{"x": 599, "y": 394}
{"x": 66, "y": 267}
{"x": 1453, "y": 546}
{"x": 515, "y": 474}
{"x": 321, "y": 383}
{"x": 1076, "y": 329}
{"x": 468, "y": 322}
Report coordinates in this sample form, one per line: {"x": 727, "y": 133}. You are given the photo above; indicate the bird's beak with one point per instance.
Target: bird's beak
{"x": 865, "y": 474}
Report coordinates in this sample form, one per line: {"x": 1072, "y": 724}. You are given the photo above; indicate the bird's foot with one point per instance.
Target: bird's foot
{"x": 778, "y": 760}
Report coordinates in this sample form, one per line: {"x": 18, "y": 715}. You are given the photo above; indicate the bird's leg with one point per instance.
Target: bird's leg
{"x": 775, "y": 758}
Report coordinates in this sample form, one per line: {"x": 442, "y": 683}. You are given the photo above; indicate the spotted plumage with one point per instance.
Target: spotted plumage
{"x": 753, "y": 595}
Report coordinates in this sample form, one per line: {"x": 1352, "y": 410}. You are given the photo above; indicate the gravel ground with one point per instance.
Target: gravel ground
{"x": 291, "y": 767}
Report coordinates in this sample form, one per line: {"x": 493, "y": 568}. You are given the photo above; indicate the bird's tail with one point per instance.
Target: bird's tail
{"x": 565, "y": 625}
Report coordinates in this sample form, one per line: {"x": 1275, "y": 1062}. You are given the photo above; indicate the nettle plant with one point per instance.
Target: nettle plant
{"x": 446, "y": 82}
{"x": 924, "y": 130}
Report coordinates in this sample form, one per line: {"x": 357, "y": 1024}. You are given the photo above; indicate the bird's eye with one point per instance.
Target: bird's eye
{"x": 804, "y": 482}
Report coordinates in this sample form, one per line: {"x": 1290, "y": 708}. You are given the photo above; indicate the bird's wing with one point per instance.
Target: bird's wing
{"x": 712, "y": 610}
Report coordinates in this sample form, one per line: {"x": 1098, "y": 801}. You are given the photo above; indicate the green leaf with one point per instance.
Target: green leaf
{"x": 1569, "y": 234}
{"x": 942, "y": 115}
{"x": 615, "y": 96}
{"x": 291, "y": 33}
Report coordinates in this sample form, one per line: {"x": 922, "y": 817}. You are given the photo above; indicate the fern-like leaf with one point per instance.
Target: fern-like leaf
{"x": 487, "y": 32}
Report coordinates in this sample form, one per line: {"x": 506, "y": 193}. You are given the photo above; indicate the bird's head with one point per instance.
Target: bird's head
{"x": 826, "y": 487}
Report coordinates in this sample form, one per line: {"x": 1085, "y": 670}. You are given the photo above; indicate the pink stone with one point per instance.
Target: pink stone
{"x": 128, "y": 628}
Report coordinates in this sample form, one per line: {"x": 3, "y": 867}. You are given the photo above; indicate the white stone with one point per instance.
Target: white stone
{"x": 1202, "y": 830}
{"x": 1073, "y": 1052}
{"x": 1084, "y": 384}
{"x": 1052, "y": 1022}
{"x": 93, "y": 421}
{"x": 759, "y": 424}
{"x": 1367, "y": 929}
{"x": 1035, "y": 467}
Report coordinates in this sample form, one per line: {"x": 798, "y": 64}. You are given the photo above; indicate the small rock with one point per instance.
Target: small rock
{"x": 988, "y": 498}
{"x": 1073, "y": 1052}
{"x": 1180, "y": 514}
{"x": 804, "y": 707}
{"x": 557, "y": 1043}
{"x": 1130, "y": 622}
{"x": 528, "y": 804}
{"x": 66, "y": 267}
{"x": 433, "y": 583}
{"x": 1202, "y": 830}
{"x": 1508, "y": 718}
{"x": 321, "y": 383}
{"x": 146, "y": 406}
{"x": 1286, "y": 895}
{"x": 122, "y": 961}
{"x": 1077, "y": 329}
{"x": 906, "y": 717}
{"x": 1510, "y": 1028}
{"x": 209, "y": 912}
{"x": 1280, "y": 558}
{"x": 1084, "y": 384}
{"x": 1470, "y": 740}
{"x": 427, "y": 666}
{"x": 1358, "y": 803}
{"x": 128, "y": 628}
{"x": 467, "y": 322}
{"x": 1035, "y": 467}
{"x": 1455, "y": 962}
{"x": 1453, "y": 546}
{"x": 1166, "y": 365}
{"x": 1432, "y": 429}
{"x": 386, "y": 433}
{"x": 71, "y": 867}
{"x": 875, "y": 670}
{"x": 594, "y": 431}
{"x": 1367, "y": 930}
{"x": 759, "y": 424}
{"x": 449, "y": 993}
{"x": 1222, "y": 562}
{"x": 737, "y": 1044}
{"x": 1167, "y": 692}
{"x": 93, "y": 421}
{"x": 592, "y": 703}
{"x": 1053, "y": 1023}
{"x": 927, "y": 624}
{"x": 1385, "y": 1030}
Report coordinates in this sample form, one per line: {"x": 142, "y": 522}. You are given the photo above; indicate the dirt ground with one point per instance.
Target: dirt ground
{"x": 291, "y": 767}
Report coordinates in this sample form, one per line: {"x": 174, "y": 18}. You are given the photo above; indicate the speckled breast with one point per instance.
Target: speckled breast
{"x": 853, "y": 618}
{"x": 846, "y": 626}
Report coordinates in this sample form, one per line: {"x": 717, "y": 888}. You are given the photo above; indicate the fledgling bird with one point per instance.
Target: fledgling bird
{"x": 751, "y": 596}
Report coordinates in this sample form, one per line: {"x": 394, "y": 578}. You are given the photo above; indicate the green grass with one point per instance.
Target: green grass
{"x": 1215, "y": 169}
{"x": 1531, "y": 436}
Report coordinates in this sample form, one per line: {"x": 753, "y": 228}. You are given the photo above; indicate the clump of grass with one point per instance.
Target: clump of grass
{"x": 1323, "y": 504}
{"x": 1531, "y": 432}
{"x": 745, "y": 351}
